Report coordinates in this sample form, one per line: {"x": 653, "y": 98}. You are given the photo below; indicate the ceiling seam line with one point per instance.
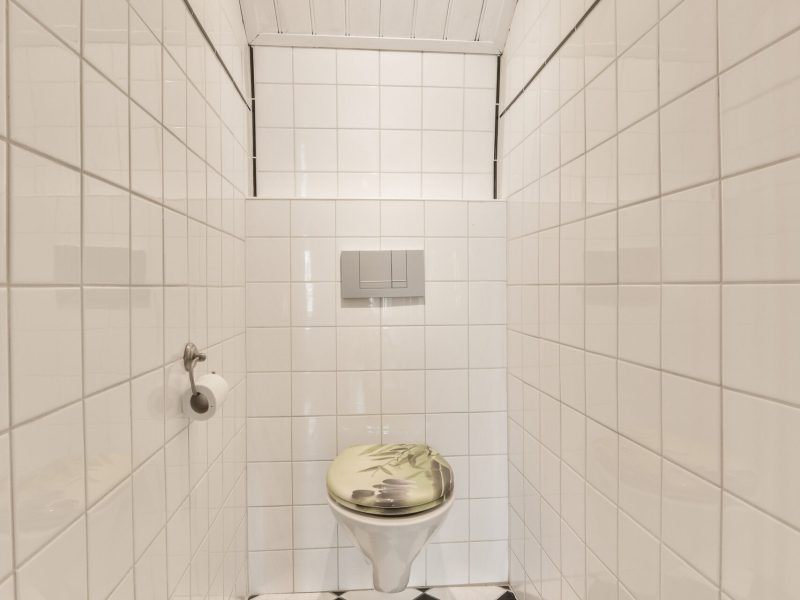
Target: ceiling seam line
{"x": 550, "y": 57}
{"x": 206, "y": 37}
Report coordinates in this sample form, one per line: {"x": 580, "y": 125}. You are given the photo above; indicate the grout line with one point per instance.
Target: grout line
{"x": 550, "y": 57}
{"x": 8, "y": 297}
{"x": 213, "y": 48}
{"x": 721, "y": 324}
{"x": 496, "y": 127}
{"x": 659, "y": 155}
{"x": 253, "y": 128}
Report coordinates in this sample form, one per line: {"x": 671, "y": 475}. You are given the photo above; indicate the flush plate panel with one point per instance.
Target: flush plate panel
{"x": 383, "y": 273}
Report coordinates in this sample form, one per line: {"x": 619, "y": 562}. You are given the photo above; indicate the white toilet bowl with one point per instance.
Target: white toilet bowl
{"x": 391, "y": 498}
{"x": 391, "y": 543}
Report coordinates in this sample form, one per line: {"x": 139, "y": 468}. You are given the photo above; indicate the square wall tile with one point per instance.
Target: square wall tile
{"x": 761, "y": 226}
{"x": 759, "y": 330}
{"x": 42, "y": 67}
{"x": 689, "y": 139}
{"x": 106, "y": 233}
{"x": 105, "y": 128}
{"x": 34, "y": 460}
{"x": 690, "y": 329}
{"x": 45, "y": 329}
{"x": 65, "y": 556}
{"x": 756, "y": 471}
{"x": 749, "y": 533}
{"x": 110, "y": 541}
{"x": 756, "y": 123}
{"x": 45, "y": 221}
{"x": 690, "y": 235}
{"x": 690, "y": 414}
{"x": 106, "y": 336}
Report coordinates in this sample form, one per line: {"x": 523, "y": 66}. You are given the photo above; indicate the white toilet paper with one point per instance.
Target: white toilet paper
{"x": 214, "y": 388}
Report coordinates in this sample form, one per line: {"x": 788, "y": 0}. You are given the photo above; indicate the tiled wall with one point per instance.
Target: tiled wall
{"x": 652, "y": 174}
{"x": 324, "y": 373}
{"x": 369, "y": 124}
{"x": 121, "y": 237}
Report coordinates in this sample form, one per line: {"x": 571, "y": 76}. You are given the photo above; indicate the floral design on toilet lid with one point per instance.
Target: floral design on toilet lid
{"x": 390, "y": 479}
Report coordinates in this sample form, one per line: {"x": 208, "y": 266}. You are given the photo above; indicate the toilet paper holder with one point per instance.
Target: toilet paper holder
{"x": 191, "y": 356}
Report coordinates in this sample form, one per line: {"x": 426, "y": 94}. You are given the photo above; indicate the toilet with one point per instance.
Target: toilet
{"x": 391, "y": 498}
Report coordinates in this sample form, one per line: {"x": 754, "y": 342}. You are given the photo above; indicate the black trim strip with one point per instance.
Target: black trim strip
{"x": 550, "y": 56}
{"x": 496, "y": 126}
{"x": 214, "y": 50}
{"x": 253, "y": 120}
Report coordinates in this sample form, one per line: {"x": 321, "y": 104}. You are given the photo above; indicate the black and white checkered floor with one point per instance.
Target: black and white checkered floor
{"x": 467, "y": 592}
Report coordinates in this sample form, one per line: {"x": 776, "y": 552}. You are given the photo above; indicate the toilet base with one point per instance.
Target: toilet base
{"x": 391, "y": 543}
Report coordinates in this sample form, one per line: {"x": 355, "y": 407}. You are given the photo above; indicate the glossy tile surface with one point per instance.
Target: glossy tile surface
{"x": 650, "y": 387}
{"x": 123, "y": 226}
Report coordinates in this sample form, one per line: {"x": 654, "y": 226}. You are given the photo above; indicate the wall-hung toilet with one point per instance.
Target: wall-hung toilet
{"x": 391, "y": 498}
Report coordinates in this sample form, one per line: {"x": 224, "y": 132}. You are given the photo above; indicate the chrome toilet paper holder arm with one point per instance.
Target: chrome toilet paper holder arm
{"x": 191, "y": 356}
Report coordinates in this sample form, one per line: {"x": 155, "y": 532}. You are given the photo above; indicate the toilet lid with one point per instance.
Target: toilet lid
{"x": 390, "y": 479}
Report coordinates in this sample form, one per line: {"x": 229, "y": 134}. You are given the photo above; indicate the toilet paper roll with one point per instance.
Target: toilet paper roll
{"x": 211, "y": 391}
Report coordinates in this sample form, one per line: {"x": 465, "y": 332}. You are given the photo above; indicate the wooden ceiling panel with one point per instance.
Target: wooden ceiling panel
{"x": 364, "y": 18}
{"x": 397, "y": 18}
{"x": 431, "y": 19}
{"x": 479, "y": 26}
{"x": 464, "y": 18}
{"x": 294, "y": 16}
{"x": 497, "y": 15}
{"x": 328, "y": 17}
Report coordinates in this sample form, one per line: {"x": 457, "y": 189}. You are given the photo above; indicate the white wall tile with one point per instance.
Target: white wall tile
{"x": 44, "y": 68}
{"x": 748, "y": 26}
{"x": 45, "y": 325}
{"x": 633, "y": 19}
{"x": 105, "y": 128}
{"x": 145, "y": 65}
{"x": 273, "y": 65}
{"x": 757, "y": 329}
{"x": 753, "y": 549}
{"x": 687, "y": 48}
{"x": 59, "y": 569}
{"x": 663, "y": 92}
{"x": 680, "y": 580}
{"x": 755, "y": 241}
{"x": 106, "y": 239}
{"x": 400, "y": 68}
{"x": 106, "y": 233}
{"x": 689, "y": 139}
{"x": 314, "y": 106}
{"x": 691, "y": 331}
{"x": 754, "y": 470}
{"x": 691, "y": 424}
{"x": 33, "y": 461}
{"x": 639, "y": 559}
{"x": 638, "y": 161}
{"x": 110, "y": 541}
{"x": 639, "y": 404}
{"x": 108, "y": 440}
{"x": 639, "y": 326}
{"x": 6, "y": 543}
{"x": 357, "y": 67}
{"x": 691, "y": 519}
{"x": 314, "y": 65}
{"x": 639, "y": 247}
{"x": 690, "y": 235}
{"x": 755, "y": 115}
{"x": 45, "y": 221}
{"x": 637, "y": 80}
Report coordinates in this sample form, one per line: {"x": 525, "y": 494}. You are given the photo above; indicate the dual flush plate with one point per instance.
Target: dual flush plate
{"x": 383, "y": 274}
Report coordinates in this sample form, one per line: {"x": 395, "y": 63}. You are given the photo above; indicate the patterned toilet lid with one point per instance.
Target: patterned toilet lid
{"x": 390, "y": 479}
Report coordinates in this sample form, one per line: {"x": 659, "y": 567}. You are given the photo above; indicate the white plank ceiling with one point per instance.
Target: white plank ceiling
{"x": 475, "y": 26}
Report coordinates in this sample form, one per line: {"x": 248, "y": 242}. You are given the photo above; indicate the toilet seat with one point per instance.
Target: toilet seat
{"x": 390, "y": 480}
